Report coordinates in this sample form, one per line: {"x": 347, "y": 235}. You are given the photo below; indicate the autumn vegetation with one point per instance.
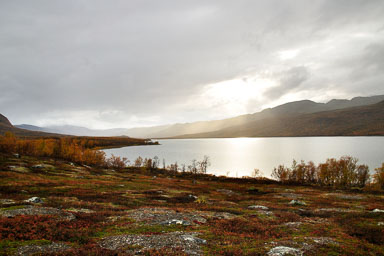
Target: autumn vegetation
{"x": 336, "y": 173}
{"x": 81, "y": 150}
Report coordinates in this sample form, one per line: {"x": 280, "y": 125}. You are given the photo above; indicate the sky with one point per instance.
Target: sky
{"x": 118, "y": 63}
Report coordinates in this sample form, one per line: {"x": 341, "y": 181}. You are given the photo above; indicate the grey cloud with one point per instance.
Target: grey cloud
{"x": 289, "y": 81}
{"x": 143, "y": 59}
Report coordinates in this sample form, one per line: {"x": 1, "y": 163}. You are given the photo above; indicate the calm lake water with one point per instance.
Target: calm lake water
{"x": 240, "y": 156}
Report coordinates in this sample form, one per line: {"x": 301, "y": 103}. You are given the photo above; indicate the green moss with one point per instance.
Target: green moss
{"x": 8, "y": 247}
{"x": 12, "y": 208}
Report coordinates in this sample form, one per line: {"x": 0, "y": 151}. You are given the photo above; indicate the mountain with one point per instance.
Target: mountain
{"x": 361, "y": 121}
{"x": 83, "y": 131}
{"x": 6, "y": 126}
{"x": 285, "y": 110}
{"x": 164, "y": 131}
{"x": 4, "y": 121}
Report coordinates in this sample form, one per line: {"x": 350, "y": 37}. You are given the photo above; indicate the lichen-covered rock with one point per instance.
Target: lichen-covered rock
{"x": 297, "y": 202}
{"x": 163, "y": 216}
{"x": 7, "y": 201}
{"x": 31, "y": 210}
{"x": 176, "y": 222}
{"x": 258, "y": 207}
{"x": 283, "y": 250}
{"x": 40, "y": 249}
{"x": 34, "y": 200}
{"x": 188, "y": 242}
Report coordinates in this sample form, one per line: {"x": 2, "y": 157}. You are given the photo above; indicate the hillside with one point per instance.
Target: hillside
{"x": 284, "y": 110}
{"x": 364, "y": 120}
{"x": 55, "y": 207}
{"x": 6, "y": 126}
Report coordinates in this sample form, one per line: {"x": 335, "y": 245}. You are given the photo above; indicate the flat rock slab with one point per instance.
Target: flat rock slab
{"x": 297, "y": 248}
{"x": 189, "y": 243}
{"x": 283, "y": 250}
{"x": 335, "y": 210}
{"x": 290, "y": 195}
{"x": 345, "y": 196}
{"x": 163, "y": 216}
{"x": 39, "y": 249}
{"x": 7, "y": 201}
{"x": 31, "y": 210}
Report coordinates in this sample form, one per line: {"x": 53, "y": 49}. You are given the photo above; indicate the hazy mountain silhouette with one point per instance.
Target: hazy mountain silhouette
{"x": 354, "y": 121}
{"x": 282, "y": 111}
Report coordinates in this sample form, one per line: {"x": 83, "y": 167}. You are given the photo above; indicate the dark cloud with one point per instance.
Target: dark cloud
{"x": 128, "y": 63}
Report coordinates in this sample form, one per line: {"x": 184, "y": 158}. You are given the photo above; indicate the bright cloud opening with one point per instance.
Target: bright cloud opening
{"x": 287, "y": 55}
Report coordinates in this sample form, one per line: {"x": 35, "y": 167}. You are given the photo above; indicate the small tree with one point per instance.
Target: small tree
{"x": 203, "y": 165}
{"x": 362, "y": 175}
{"x": 117, "y": 162}
{"x": 256, "y": 173}
{"x": 281, "y": 173}
{"x": 379, "y": 176}
{"x": 193, "y": 167}
{"x": 138, "y": 162}
{"x": 155, "y": 162}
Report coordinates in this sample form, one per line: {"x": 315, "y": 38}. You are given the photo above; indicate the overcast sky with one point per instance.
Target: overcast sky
{"x": 111, "y": 63}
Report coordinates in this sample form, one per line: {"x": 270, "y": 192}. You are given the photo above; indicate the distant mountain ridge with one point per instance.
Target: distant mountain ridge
{"x": 355, "y": 121}
{"x": 282, "y": 111}
{"x": 6, "y": 126}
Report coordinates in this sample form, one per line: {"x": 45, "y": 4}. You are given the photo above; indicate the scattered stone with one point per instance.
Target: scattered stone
{"x": 334, "y": 210}
{"x": 283, "y": 250}
{"x": 297, "y": 202}
{"x": 7, "y": 201}
{"x": 188, "y": 242}
{"x": 81, "y": 210}
{"x": 31, "y": 210}
{"x": 378, "y": 210}
{"x": 293, "y": 224}
{"x": 258, "y": 207}
{"x": 42, "y": 249}
{"x": 176, "y": 222}
{"x": 380, "y": 223}
{"x": 35, "y": 200}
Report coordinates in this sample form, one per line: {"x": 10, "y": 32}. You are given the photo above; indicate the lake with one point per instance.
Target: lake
{"x": 238, "y": 157}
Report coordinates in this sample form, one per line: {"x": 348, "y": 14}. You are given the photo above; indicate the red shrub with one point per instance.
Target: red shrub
{"x": 46, "y": 227}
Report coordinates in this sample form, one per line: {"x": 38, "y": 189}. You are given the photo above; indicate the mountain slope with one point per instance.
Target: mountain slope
{"x": 284, "y": 110}
{"x": 164, "y": 131}
{"x": 6, "y": 126}
{"x": 363, "y": 120}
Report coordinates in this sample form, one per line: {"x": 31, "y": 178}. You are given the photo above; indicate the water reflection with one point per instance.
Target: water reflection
{"x": 239, "y": 156}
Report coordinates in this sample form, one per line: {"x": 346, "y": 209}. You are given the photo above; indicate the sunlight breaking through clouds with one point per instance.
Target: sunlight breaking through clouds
{"x": 233, "y": 96}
